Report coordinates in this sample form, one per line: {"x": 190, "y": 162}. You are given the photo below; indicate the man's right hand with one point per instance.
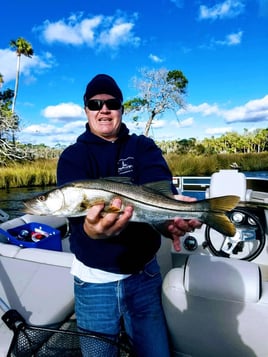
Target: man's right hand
{"x": 100, "y": 226}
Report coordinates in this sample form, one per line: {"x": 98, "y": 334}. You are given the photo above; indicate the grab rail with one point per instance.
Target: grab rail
{"x": 191, "y": 183}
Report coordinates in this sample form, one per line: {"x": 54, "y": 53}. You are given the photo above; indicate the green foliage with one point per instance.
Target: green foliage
{"x": 178, "y": 80}
{"x": 230, "y": 143}
{"x": 22, "y": 47}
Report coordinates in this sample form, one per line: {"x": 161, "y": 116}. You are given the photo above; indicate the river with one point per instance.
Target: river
{"x": 11, "y": 200}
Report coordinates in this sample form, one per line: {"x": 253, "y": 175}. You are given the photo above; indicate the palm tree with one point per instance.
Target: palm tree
{"x": 22, "y": 47}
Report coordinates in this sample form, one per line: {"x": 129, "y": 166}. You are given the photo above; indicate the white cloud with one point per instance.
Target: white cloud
{"x": 218, "y": 131}
{"x": 64, "y": 111}
{"x": 71, "y": 31}
{"x": 185, "y": 123}
{"x": 119, "y": 34}
{"x": 155, "y": 58}
{"x": 228, "y": 8}
{"x": 159, "y": 124}
{"x": 253, "y": 111}
{"x": 205, "y": 109}
{"x": 40, "y": 129}
{"x": 230, "y": 40}
{"x": 51, "y": 135}
{"x": 29, "y": 66}
{"x": 97, "y": 31}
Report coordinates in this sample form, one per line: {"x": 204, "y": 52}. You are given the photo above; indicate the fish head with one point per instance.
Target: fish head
{"x": 48, "y": 203}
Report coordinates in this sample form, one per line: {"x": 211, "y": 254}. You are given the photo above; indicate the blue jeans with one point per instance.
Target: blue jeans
{"x": 137, "y": 299}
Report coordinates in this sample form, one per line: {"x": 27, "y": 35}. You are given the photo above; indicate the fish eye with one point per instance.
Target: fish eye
{"x": 42, "y": 198}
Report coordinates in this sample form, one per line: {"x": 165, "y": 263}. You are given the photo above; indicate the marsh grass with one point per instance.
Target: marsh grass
{"x": 205, "y": 165}
{"x": 38, "y": 173}
{"x": 43, "y": 172}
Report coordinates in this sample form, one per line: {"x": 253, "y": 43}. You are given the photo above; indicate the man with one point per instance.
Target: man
{"x": 115, "y": 271}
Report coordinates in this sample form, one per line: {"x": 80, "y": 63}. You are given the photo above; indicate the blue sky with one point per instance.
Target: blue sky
{"x": 220, "y": 46}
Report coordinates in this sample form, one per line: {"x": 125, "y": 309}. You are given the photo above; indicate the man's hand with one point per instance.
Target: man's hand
{"x": 179, "y": 227}
{"x": 99, "y": 226}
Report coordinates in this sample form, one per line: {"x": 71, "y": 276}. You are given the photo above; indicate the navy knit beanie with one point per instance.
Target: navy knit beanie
{"x": 102, "y": 84}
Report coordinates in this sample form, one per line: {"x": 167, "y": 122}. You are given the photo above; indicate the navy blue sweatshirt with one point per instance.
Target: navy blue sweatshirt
{"x": 133, "y": 156}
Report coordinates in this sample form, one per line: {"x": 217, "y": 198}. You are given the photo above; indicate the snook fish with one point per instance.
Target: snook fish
{"x": 151, "y": 203}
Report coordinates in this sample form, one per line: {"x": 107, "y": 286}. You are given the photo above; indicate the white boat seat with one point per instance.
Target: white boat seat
{"x": 227, "y": 182}
{"x": 51, "y": 257}
{"x": 9, "y": 250}
{"x": 216, "y": 306}
{"x": 38, "y": 284}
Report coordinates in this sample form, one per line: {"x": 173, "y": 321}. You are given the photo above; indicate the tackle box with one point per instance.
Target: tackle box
{"x": 34, "y": 235}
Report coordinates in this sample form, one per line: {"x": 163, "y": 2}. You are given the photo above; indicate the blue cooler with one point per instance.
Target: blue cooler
{"x": 34, "y": 235}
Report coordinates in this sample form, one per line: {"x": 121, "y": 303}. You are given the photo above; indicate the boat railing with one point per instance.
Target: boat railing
{"x": 202, "y": 183}
{"x": 191, "y": 183}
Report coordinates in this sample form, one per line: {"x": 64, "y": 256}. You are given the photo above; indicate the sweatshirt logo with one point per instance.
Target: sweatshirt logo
{"x": 125, "y": 165}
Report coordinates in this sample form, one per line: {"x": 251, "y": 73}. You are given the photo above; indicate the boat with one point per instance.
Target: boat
{"x": 215, "y": 290}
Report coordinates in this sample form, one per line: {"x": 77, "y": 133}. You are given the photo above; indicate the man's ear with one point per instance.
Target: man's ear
{"x": 123, "y": 109}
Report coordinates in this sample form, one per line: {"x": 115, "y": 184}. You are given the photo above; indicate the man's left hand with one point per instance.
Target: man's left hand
{"x": 179, "y": 226}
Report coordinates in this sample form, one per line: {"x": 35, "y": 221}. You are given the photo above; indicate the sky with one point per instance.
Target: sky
{"x": 221, "y": 46}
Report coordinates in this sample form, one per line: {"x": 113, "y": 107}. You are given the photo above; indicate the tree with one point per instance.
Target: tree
{"x": 8, "y": 125}
{"x": 1, "y": 80}
{"x": 159, "y": 90}
{"x": 22, "y": 47}
{"x": 6, "y": 116}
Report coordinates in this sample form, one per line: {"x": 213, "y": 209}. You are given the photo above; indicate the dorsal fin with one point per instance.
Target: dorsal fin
{"x": 161, "y": 187}
{"x": 118, "y": 179}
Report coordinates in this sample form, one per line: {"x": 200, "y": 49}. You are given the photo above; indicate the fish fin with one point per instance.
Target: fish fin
{"x": 118, "y": 179}
{"x": 161, "y": 187}
{"x": 221, "y": 223}
{"x": 216, "y": 218}
{"x": 112, "y": 209}
{"x": 223, "y": 203}
{"x": 86, "y": 203}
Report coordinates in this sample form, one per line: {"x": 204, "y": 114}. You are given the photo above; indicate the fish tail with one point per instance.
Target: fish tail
{"x": 221, "y": 223}
{"x": 223, "y": 203}
{"x": 216, "y": 217}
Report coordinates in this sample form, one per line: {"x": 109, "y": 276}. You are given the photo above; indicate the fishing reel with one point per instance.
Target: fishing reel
{"x": 248, "y": 241}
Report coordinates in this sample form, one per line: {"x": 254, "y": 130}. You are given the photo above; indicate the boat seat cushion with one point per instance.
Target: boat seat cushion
{"x": 45, "y": 256}
{"x": 228, "y": 182}
{"x": 41, "y": 293}
{"x": 216, "y": 283}
{"x": 216, "y": 306}
{"x": 9, "y": 250}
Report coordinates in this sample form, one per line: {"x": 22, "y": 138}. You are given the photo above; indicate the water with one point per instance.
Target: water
{"x": 11, "y": 200}
{"x": 260, "y": 174}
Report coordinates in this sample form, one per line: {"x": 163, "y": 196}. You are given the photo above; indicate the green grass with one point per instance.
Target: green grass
{"x": 37, "y": 173}
{"x": 205, "y": 165}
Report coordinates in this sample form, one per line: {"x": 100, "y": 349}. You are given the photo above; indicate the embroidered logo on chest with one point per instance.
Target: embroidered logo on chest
{"x": 125, "y": 165}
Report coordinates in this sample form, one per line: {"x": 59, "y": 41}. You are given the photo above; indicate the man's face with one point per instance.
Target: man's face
{"x": 104, "y": 122}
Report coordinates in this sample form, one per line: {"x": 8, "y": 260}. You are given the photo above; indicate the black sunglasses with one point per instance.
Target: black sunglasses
{"x": 97, "y": 104}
